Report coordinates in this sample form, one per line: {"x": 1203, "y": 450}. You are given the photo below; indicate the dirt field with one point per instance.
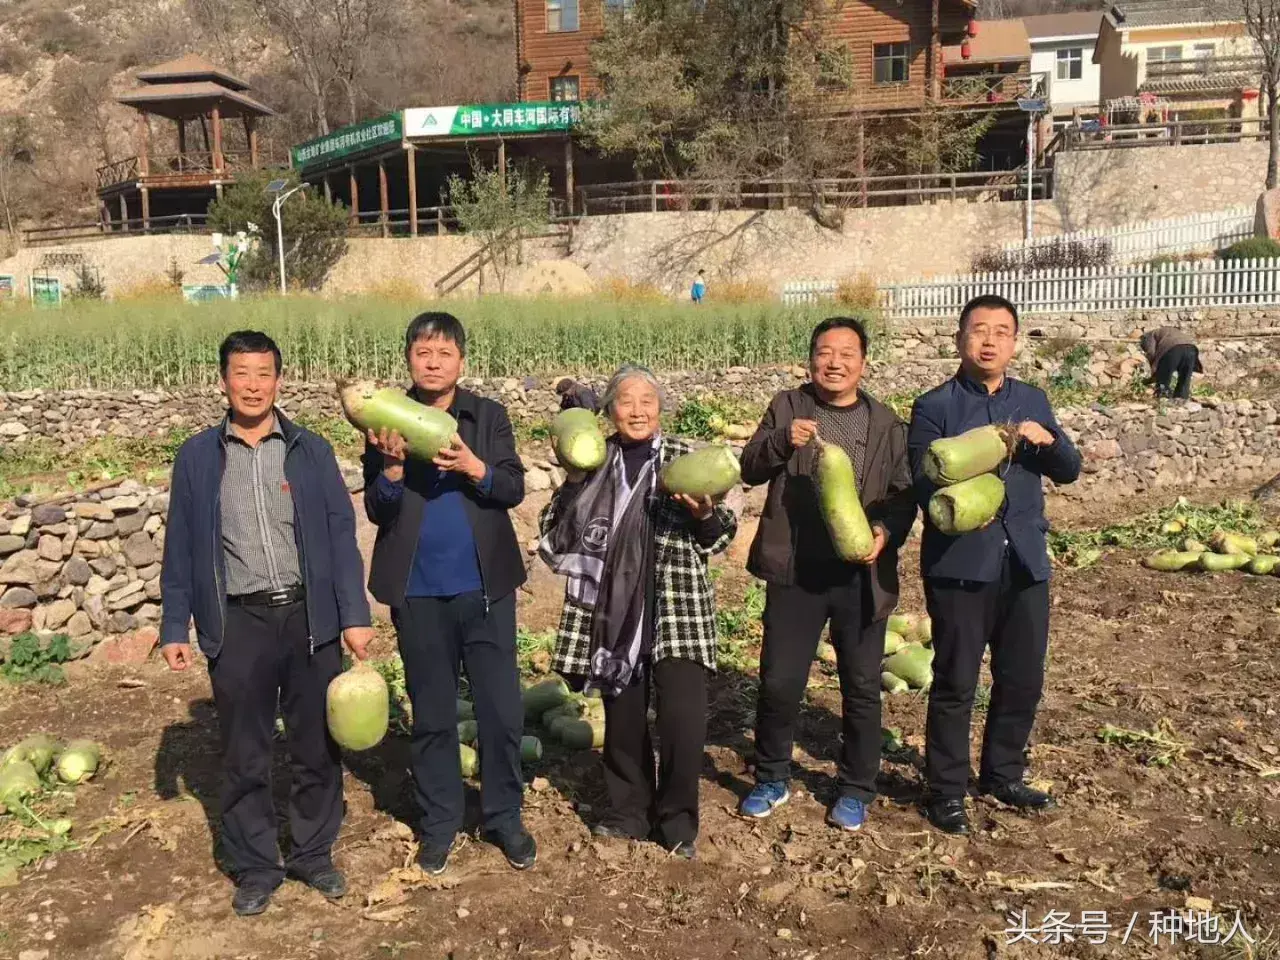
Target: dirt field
{"x": 1129, "y": 647}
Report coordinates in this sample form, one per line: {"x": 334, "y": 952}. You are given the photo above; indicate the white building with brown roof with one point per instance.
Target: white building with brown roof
{"x": 1062, "y": 49}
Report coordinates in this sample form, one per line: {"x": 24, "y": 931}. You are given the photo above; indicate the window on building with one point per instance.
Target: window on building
{"x": 564, "y": 89}
{"x": 1071, "y": 63}
{"x": 619, "y": 8}
{"x": 1158, "y": 60}
{"x": 562, "y": 16}
{"x": 892, "y": 62}
{"x": 835, "y": 68}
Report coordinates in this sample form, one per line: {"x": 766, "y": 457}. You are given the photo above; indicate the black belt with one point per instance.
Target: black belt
{"x": 269, "y": 598}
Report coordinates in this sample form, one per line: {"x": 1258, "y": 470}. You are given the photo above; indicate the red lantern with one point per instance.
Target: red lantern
{"x": 973, "y": 28}
{"x": 1248, "y": 94}
{"x": 966, "y": 50}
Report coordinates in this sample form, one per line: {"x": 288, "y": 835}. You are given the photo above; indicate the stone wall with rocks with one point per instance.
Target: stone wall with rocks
{"x": 1106, "y": 188}
{"x": 1206, "y": 445}
{"x": 915, "y": 356}
{"x": 89, "y": 567}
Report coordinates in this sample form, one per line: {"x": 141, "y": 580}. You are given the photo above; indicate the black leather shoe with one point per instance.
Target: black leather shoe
{"x": 949, "y": 816}
{"x": 433, "y": 860}
{"x": 249, "y": 901}
{"x": 1024, "y": 797}
{"x": 685, "y": 850}
{"x": 607, "y": 831}
{"x": 518, "y": 847}
{"x": 327, "y": 881}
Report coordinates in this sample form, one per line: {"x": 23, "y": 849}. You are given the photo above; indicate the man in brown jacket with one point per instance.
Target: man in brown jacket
{"x": 807, "y": 583}
{"x": 1169, "y": 351}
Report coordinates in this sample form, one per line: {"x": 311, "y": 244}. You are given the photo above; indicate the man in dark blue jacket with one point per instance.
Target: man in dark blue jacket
{"x": 448, "y": 563}
{"x": 261, "y": 550}
{"x": 991, "y": 586}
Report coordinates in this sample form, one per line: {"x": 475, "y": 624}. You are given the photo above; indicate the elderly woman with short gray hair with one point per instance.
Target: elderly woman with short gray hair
{"x": 639, "y": 613}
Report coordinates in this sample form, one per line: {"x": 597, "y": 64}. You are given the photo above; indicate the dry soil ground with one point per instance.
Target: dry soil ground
{"x": 1129, "y": 647}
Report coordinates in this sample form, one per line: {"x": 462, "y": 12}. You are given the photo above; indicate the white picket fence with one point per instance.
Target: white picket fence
{"x": 1199, "y": 232}
{"x": 1210, "y": 283}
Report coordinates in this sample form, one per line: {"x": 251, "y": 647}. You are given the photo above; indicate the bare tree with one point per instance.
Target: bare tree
{"x": 16, "y": 155}
{"x": 332, "y": 43}
{"x": 1262, "y": 19}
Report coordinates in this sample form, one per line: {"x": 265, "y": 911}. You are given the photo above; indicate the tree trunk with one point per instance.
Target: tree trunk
{"x": 1273, "y": 118}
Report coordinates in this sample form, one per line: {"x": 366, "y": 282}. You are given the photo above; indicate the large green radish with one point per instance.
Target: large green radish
{"x": 968, "y": 505}
{"x": 544, "y": 696}
{"x": 953, "y": 459}
{"x": 1219, "y": 562}
{"x": 357, "y": 706}
{"x": 426, "y": 430}
{"x": 79, "y": 761}
{"x": 1171, "y": 560}
{"x": 914, "y": 664}
{"x": 838, "y": 500}
{"x": 710, "y": 472}
{"x": 1264, "y": 566}
{"x": 576, "y": 437}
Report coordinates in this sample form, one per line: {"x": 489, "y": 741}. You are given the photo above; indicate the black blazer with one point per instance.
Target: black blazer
{"x": 484, "y": 427}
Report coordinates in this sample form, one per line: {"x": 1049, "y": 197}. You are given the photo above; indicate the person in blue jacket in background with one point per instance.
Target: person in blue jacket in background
{"x": 989, "y": 587}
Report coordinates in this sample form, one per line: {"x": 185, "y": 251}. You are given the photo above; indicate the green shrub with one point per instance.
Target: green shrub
{"x": 314, "y": 231}
{"x": 1255, "y": 248}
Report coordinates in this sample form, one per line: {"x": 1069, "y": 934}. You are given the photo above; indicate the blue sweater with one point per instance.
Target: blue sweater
{"x": 961, "y": 404}
{"x": 445, "y": 563}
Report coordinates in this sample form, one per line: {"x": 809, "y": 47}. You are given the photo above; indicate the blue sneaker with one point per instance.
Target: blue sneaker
{"x": 759, "y": 803}
{"x": 849, "y": 813}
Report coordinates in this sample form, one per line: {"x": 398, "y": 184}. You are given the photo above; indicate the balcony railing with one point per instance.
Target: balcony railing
{"x": 180, "y": 164}
{"x": 1250, "y": 66}
{"x": 993, "y": 88}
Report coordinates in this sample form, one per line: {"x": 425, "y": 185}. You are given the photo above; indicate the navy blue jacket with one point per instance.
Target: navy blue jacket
{"x": 961, "y": 404}
{"x": 194, "y": 572}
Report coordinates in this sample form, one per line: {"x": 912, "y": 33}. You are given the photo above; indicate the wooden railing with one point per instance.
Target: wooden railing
{"x": 993, "y": 88}
{"x": 103, "y": 229}
{"x": 1225, "y": 67}
{"x": 1171, "y": 134}
{"x": 178, "y": 164}
{"x": 897, "y": 190}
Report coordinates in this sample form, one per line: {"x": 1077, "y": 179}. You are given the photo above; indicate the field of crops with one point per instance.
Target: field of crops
{"x": 164, "y": 344}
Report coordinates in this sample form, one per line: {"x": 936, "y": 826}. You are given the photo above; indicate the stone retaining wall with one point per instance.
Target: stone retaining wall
{"x": 90, "y": 568}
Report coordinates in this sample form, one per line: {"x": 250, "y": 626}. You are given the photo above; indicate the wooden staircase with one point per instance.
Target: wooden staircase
{"x": 559, "y": 231}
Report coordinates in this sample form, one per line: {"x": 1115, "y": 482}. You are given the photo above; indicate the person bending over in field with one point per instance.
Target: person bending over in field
{"x": 808, "y": 585}
{"x": 639, "y": 620}
{"x": 1171, "y": 352}
{"x": 989, "y": 587}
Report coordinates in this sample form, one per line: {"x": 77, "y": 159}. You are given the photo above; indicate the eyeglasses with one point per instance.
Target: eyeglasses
{"x": 983, "y": 333}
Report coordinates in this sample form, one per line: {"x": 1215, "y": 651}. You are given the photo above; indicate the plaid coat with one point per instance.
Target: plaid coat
{"x": 684, "y": 600}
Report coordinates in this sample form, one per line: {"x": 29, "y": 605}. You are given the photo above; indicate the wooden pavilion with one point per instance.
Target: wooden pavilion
{"x": 160, "y": 186}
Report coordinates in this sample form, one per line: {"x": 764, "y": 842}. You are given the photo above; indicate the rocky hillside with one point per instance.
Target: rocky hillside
{"x": 63, "y": 61}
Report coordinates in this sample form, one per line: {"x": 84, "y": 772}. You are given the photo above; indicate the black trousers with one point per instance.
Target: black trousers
{"x": 265, "y": 660}
{"x": 1180, "y": 360}
{"x": 793, "y": 621}
{"x": 1012, "y": 616}
{"x": 439, "y": 635}
{"x": 639, "y": 801}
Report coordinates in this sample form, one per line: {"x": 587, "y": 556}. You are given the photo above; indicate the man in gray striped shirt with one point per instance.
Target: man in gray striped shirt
{"x": 261, "y": 551}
